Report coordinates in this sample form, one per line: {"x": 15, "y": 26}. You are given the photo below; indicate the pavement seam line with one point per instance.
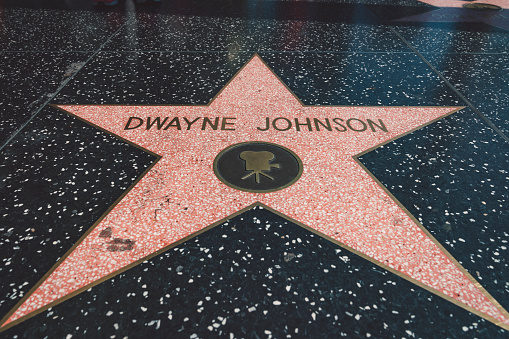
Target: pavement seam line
{"x": 448, "y": 83}
{"x": 60, "y": 88}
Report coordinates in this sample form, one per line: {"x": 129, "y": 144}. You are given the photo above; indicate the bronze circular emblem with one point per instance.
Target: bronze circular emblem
{"x": 482, "y": 7}
{"x": 257, "y": 166}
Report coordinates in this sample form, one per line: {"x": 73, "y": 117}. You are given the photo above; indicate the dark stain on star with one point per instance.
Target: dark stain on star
{"x": 106, "y": 233}
{"x": 121, "y": 245}
{"x": 116, "y": 244}
{"x": 233, "y": 275}
{"x": 59, "y": 215}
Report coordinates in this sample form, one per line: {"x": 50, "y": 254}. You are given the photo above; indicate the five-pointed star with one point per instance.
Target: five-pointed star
{"x": 180, "y": 194}
{"x": 453, "y": 11}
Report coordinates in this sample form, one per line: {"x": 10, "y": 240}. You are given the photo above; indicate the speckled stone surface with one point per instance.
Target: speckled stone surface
{"x": 56, "y": 27}
{"x": 464, "y": 202}
{"x": 257, "y": 276}
{"x": 467, "y": 47}
{"x": 167, "y": 204}
{"x": 56, "y": 179}
{"x": 371, "y": 79}
{"x": 152, "y": 78}
{"x": 396, "y": 79}
{"x": 337, "y": 27}
{"x": 482, "y": 78}
{"x": 59, "y": 175}
{"x": 449, "y": 38}
{"x": 28, "y": 80}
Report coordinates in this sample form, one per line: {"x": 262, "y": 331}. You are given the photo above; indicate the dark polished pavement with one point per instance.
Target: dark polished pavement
{"x": 257, "y": 274}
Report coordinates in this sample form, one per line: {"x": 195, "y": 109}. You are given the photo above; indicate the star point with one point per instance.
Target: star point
{"x": 180, "y": 195}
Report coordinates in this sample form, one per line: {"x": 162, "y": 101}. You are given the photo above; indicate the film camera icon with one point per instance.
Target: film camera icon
{"x": 257, "y": 167}
{"x": 258, "y": 162}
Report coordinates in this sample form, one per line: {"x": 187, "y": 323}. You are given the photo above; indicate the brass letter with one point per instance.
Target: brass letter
{"x": 156, "y": 121}
{"x": 308, "y": 123}
{"x": 208, "y": 121}
{"x": 343, "y": 128}
{"x": 225, "y": 122}
{"x": 127, "y": 126}
{"x": 356, "y": 130}
{"x": 282, "y": 129}
{"x": 373, "y": 124}
{"x": 189, "y": 123}
{"x": 175, "y": 122}
{"x": 266, "y": 126}
{"x": 318, "y": 122}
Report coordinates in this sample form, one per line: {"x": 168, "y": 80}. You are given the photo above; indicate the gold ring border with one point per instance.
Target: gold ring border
{"x": 224, "y": 181}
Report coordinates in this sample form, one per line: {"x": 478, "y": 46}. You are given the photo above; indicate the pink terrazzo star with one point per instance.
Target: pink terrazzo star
{"x": 181, "y": 195}
{"x": 459, "y": 3}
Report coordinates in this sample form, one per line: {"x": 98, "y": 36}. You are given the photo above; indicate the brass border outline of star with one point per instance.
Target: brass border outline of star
{"x": 256, "y": 204}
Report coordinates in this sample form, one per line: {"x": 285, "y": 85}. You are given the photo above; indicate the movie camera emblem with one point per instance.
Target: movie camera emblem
{"x": 257, "y": 166}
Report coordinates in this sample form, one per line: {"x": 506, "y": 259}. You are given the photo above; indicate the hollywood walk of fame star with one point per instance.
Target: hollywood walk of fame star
{"x": 454, "y": 11}
{"x": 461, "y": 3}
{"x": 180, "y": 194}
